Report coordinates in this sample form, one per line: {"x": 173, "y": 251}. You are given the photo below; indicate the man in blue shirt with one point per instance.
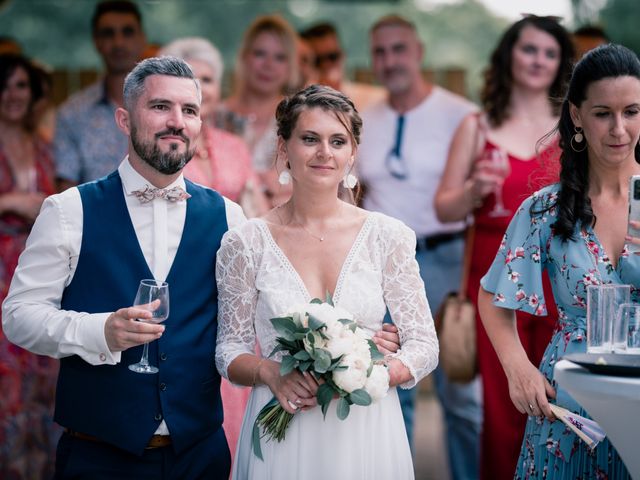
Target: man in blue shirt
{"x": 87, "y": 142}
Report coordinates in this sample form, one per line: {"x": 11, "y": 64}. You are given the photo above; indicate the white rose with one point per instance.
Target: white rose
{"x": 322, "y": 311}
{"x": 335, "y": 329}
{"x": 377, "y": 385}
{"x": 342, "y": 344}
{"x": 354, "y": 376}
{"x": 361, "y": 345}
{"x": 299, "y": 314}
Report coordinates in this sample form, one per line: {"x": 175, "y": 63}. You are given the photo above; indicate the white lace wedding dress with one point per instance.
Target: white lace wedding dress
{"x": 256, "y": 282}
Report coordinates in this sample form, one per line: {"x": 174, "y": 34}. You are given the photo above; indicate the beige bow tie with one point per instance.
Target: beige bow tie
{"x": 148, "y": 193}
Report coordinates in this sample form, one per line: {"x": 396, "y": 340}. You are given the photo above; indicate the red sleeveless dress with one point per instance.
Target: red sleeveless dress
{"x": 503, "y": 426}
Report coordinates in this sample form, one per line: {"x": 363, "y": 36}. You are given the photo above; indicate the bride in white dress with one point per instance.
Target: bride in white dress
{"x": 313, "y": 244}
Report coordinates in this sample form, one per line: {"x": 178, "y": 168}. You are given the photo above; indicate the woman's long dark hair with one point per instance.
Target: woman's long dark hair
{"x": 573, "y": 204}
{"x": 9, "y": 62}
{"x": 496, "y": 92}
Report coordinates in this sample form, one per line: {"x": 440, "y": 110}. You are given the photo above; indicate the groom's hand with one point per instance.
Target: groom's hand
{"x": 122, "y": 330}
{"x": 387, "y": 340}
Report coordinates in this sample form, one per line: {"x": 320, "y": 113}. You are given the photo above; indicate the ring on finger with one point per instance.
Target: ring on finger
{"x": 292, "y": 405}
{"x": 298, "y": 401}
{"x": 531, "y": 407}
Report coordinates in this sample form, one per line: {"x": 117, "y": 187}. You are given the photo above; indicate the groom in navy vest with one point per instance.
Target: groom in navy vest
{"x": 72, "y": 293}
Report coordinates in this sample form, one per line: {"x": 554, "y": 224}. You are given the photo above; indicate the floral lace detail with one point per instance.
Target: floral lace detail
{"x": 256, "y": 281}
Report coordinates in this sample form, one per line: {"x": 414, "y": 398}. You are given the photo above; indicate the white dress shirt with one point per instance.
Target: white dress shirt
{"x": 31, "y": 314}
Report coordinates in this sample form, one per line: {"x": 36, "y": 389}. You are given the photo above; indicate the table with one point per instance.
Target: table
{"x": 613, "y": 402}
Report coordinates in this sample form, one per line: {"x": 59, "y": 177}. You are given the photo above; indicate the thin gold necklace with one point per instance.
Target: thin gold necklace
{"x": 305, "y": 229}
{"x": 319, "y": 238}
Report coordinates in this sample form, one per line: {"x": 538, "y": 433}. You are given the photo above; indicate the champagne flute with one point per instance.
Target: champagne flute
{"x": 500, "y": 166}
{"x": 154, "y": 297}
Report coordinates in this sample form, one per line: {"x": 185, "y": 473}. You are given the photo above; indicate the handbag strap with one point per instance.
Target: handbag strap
{"x": 480, "y": 141}
{"x": 466, "y": 261}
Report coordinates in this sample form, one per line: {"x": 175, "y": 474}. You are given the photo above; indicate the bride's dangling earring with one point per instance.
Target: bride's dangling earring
{"x": 285, "y": 177}
{"x": 349, "y": 181}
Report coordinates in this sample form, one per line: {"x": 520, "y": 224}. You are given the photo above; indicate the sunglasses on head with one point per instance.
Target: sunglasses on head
{"x": 331, "y": 57}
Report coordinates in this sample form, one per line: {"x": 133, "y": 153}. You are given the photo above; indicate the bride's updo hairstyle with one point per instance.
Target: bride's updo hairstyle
{"x": 329, "y": 100}
{"x": 318, "y": 96}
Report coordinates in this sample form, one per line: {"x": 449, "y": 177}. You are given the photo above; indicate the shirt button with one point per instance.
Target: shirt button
{"x": 103, "y": 357}
{"x": 158, "y": 416}
{"x": 163, "y": 386}
{"x": 163, "y": 356}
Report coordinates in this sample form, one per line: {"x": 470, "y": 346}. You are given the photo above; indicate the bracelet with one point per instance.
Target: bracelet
{"x": 256, "y": 371}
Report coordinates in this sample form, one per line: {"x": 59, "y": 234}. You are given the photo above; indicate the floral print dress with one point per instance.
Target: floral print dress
{"x": 549, "y": 449}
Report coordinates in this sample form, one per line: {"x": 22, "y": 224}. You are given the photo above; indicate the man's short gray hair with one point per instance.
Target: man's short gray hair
{"x": 171, "y": 66}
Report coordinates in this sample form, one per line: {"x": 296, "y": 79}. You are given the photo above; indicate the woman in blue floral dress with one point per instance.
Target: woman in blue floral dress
{"x": 568, "y": 229}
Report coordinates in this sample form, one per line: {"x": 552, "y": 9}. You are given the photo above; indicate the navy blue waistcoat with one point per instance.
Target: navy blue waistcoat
{"x": 111, "y": 402}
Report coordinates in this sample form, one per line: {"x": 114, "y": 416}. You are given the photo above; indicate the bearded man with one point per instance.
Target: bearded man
{"x": 70, "y": 295}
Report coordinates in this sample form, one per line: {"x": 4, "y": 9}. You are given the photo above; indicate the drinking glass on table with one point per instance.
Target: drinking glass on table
{"x": 154, "y": 297}
{"x": 499, "y": 166}
{"x": 627, "y": 334}
{"x": 603, "y": 303}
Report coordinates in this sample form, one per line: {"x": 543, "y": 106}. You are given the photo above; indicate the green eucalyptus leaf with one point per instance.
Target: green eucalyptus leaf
{"x": 328, "y": 298}
{"x": 335, "y": 362}
{"x": 314, "y": 323}
{"x": 285, "y": 326}
{"x": 278, "y": 348}
{"x": 324, "y": 409}
{"x": 301, "y": 355}
{"x": 360, "y": 397}
{"x": 375, "y": 353}
{"x": 311, "y": 338}
{"x": 324, "y": 394}
{"x": 255, "y": 440}
{"x": 322, "y": 360}
{"x": 343, "y": 408}
{"x": 287, "y": 365}
{"x": 304, "y": 366}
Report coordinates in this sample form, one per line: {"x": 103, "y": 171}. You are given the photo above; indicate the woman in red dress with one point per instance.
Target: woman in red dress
{"x": 28, "y": 435}
{"x": 495, "y": 162}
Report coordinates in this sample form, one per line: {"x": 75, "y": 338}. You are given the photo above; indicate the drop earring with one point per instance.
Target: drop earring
{"x": 349, "y": 181}
{"x": 577, "y": 139}
{"x": 285, "y": 177}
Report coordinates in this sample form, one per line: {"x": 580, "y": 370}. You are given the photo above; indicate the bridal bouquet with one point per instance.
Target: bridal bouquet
{"x": 325, "y": 341}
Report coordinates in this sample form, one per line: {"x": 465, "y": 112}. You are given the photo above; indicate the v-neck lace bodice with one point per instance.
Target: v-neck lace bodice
{"x": 256, "y": 282}
{"x": 292, "y": 270}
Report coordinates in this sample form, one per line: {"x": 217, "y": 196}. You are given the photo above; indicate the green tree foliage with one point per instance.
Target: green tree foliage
{"x": 620, "y": 19}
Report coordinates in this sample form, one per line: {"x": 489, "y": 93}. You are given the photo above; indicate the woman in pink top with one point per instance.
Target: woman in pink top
{"x": 222, "y": 160}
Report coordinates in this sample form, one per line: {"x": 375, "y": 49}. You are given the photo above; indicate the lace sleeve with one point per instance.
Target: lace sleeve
{"x": 237, "y": 296}
{"x": 405, "y": 296}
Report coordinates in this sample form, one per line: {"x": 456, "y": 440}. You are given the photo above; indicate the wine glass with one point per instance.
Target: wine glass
{"x": 500, "y": 166}
{"x": 154, "y": 297}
